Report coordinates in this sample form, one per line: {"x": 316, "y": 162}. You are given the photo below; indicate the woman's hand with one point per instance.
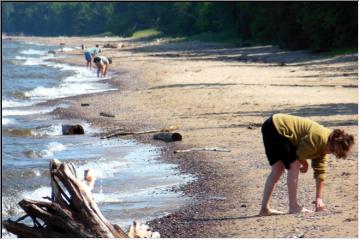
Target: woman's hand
{"x": 319, "y": 205}
{"x": 304, "y": 166}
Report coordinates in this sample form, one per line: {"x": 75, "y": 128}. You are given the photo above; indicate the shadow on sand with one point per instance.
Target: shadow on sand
{"x": 263, "y": 54}
{"x": 305, "y": 111}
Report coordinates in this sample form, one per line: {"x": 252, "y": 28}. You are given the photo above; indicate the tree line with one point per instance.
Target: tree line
{"x": 290, "y": 25}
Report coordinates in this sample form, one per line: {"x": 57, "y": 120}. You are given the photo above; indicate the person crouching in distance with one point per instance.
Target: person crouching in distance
{"x": 102, "y": 64}
{"x": 289, "y": 141}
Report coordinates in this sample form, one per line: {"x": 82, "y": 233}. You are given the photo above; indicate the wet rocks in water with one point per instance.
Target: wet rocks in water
{"x": 72, "y": 129}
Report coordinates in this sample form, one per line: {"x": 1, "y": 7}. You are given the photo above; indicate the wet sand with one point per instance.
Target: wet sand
{"x": 219, "y": 97}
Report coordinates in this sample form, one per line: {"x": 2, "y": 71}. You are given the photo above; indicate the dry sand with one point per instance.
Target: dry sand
{"x": 219, "y": 97}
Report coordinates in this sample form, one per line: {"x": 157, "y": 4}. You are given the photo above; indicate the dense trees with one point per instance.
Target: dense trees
{"x": 294, "y": 25}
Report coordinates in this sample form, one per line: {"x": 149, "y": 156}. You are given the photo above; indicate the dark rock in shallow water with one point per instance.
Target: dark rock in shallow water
{"x": 72, "y": 129}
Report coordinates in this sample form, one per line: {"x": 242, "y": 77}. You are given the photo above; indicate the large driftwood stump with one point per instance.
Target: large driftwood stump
{"x": 70, "y": 213}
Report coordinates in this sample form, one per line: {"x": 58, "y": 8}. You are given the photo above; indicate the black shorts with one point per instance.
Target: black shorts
{"x": 277, "y": 147}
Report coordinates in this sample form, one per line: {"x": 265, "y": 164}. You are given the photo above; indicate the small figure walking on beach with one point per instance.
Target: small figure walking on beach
{"x": 289, "y": 141}
{"x": 102, "y": 64}
{"x": 90, "y": 54}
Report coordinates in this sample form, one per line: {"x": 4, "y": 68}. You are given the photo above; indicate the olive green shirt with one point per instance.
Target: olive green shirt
{"x": 308, "y": 136}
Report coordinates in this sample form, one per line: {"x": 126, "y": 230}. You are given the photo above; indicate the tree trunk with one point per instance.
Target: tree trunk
{"x": 71, "y": 212}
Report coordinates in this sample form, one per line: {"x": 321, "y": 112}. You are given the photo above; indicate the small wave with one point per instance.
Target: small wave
{"x": 7, "y": 103}
{"x": 49, "y": 152}
{"x": 34, "y": 61}
{"x": 18, "y": 132}
{"x": 18, "y": 112}
{"x": 37, "y": 194}
{"x": 39, "y": 60}
{"x": 35, "y": 43}
{"x": 8, "y": 121}
{"x": 9, "y": 206}
{"x": 66, "y": 49}
{"x": 20, "y": 58}
{"x": 37, "y": 173}
{"x": 52, "y": 130}
{"x": 103, "y": 168}
{"x": 56, "y": 147}
{"x": 108, "y": 197}
{"x": 66, "y": 90}
{"x": 33, "y": 52}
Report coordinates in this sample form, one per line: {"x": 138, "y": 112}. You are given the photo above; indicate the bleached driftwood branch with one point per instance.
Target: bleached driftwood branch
{"x": 71, "y": 212}
{"x": 215, "y": 149}
{"x": 122, "y": 133}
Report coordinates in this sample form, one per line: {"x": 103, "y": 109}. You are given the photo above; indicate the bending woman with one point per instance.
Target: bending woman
{"x": 102, "y": 64}
{"x": 289, "y": 141}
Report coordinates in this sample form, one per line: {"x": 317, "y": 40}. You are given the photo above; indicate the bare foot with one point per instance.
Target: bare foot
{"x": 299, "y": 209}
{"x": 269, "y": 212}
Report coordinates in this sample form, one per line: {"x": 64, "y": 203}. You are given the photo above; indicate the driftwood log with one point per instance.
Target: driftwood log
{"x": 104, "y": 114}
{"x": 118, "y": 133}
{"x": 71, "y": 211}
{"x": 168, "y": 136}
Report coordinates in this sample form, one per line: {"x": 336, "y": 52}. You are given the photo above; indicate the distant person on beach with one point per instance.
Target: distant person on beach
{"x": 102, "y": 64}
{"x": 289, "y": 141}
{"x": 90, "y": 54}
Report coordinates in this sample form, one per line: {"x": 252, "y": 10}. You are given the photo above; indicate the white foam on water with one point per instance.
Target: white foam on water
{"x": 37, "y": 173}
{"x": 33, "y": 52}
{"x": 21, "y": 58}
{"x": 67, "y": 90}
{"x": 108, "y": 197}
{"x": 8, "y": 103}
{"x": 88, "y": 129}
{"x": 32, "y": 61}
{"x": 35, "y": 43}
{"x": 9, "y": 206}
{"x": 38, "y": 194}
{"x": 81, "y": 82}
{"x": 103, "y": 168}
{"x": 56, "y": 147}
{"x": 53, "y": 130}
{"x": 82, "y": 74}
{"x": 67, "y": 49}
{"x": 8, "y": 121}
{"x": 145, "y": 152}
{"x": 159, "y": 189}
{"x": 52, "y": 147}
{"x": 22, "y": 112}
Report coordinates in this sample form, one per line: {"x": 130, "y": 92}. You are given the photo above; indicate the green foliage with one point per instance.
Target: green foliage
{"x": 228, "y": 38}
{"x": 318, "y": 26}
{"x": 151, "y": 32}
{"x": 340, "y": 51}
{"x": 104, "y": 34}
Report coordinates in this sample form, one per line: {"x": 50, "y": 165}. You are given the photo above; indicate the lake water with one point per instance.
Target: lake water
{"x": 131, "y": 183}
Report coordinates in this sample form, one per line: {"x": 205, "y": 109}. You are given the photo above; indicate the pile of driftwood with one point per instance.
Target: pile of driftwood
{"x": 70, "y": 211}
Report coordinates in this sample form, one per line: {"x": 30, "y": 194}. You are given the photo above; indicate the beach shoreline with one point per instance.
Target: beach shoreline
{"x": 219, "y": 98}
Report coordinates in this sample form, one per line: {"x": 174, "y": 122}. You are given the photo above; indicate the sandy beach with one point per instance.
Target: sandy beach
{"x": 219, "y": 97}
